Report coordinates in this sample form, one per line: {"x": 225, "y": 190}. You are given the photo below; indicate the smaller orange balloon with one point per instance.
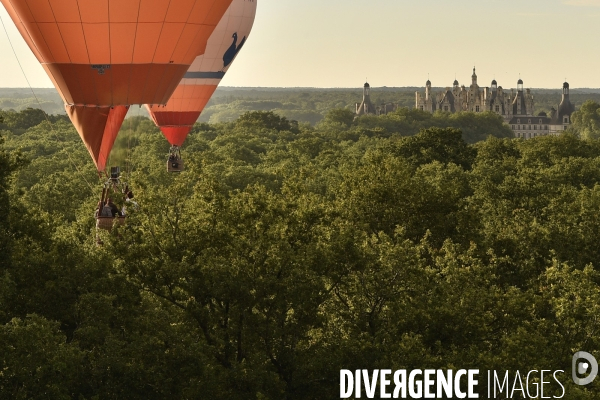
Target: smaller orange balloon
{"x": 204, "y": 75}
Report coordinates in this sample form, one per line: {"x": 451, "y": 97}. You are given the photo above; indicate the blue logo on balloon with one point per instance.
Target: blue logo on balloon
{"x": 232, "y": 50}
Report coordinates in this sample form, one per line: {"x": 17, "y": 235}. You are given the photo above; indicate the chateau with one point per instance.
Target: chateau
{"x": 516, "y": 107}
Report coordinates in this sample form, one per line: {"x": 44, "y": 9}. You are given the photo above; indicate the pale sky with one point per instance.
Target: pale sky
{"x": 339, "y": 43}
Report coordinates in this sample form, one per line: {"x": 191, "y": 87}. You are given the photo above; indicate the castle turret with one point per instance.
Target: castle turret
{"x": 366, "y": 107}
{"x": 565, "y": 108}
{"x": 494, "y": 104}
{"x": 519, "y": 105}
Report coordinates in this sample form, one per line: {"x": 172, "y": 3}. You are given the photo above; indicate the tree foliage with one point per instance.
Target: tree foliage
{"x": 586, "y": 120}
{"x": 284, "y": 253}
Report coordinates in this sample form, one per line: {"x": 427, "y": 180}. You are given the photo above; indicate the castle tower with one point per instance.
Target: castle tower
{"x": 426, "y": 101}
{"x": 494, "y": 103}
{"x": 475, "y": 99}
{"x": 457, "y": 93}
{"x": 427, "y": 90}
{"x": 366, "y": 107}
{"x": 519, "y": 104}
{"x": 565, "y": 109}
{"x": 565, "y": 93}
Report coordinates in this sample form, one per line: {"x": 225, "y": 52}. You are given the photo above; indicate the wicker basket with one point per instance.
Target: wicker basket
{"x": 107, "y": 223}
{"x": 175, "y": 165}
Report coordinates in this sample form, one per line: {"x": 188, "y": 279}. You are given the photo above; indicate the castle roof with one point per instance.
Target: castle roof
{"x": 565, "y": 108}
{"x": 448, "y": 97}
{"x": 516, "y": 109}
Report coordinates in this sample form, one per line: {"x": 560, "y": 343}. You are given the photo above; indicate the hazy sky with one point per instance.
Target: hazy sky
{"x": 339, "y": 43}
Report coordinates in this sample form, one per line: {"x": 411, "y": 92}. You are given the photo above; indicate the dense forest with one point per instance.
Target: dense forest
{"x": 306, "y": 105}
{"x": 288, "y": 251}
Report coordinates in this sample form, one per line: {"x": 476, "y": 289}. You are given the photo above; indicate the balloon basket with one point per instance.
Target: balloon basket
{"x": 107, "y": 223}
{"x": 175, "y": 165}
{"x": 175, "y": 162}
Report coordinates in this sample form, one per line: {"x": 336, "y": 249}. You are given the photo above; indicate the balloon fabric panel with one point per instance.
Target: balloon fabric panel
{"x": 176, "y": 134}
{"x": 98, "y": 129}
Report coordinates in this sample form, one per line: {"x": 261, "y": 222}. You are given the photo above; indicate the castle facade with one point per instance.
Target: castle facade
{"x": 515, "y": 106}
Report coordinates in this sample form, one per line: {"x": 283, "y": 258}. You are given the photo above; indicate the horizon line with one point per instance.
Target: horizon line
{"x": 319, "y": 87}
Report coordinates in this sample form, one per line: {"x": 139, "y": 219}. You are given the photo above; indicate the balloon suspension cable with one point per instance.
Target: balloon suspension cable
{"x": 40, "y": 106}
{"x": 113, "y": 181}
{"x": 175, "y": 151}
{"x": 130, "y": 164}
{"x": 128, "y": 154}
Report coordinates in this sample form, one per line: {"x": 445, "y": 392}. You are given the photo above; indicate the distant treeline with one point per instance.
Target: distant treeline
{"x": 305, "y": 105}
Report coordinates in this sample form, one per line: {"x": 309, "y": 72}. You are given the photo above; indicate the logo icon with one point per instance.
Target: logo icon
{"x": 584, "y": 363}
{"x": 101, "y": 68}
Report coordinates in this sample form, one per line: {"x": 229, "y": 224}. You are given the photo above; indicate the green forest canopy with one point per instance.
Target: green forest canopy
{"x": 286, "y": 252}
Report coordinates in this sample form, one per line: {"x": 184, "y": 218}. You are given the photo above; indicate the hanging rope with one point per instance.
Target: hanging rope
{"x": 129, "y": 164}
{"x": 132, "y": 164}
{"x": 40, "y": 106}
{"x": 128, "y": 153}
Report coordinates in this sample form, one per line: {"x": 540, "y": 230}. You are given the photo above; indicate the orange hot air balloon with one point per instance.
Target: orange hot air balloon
{"x": 202, "y": 78}
{"x": 103, "y": 55}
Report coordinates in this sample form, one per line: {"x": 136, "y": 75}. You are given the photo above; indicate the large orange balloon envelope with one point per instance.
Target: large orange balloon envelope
{"x": 202, "y": 78}
{"x": 105, "y": 53}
